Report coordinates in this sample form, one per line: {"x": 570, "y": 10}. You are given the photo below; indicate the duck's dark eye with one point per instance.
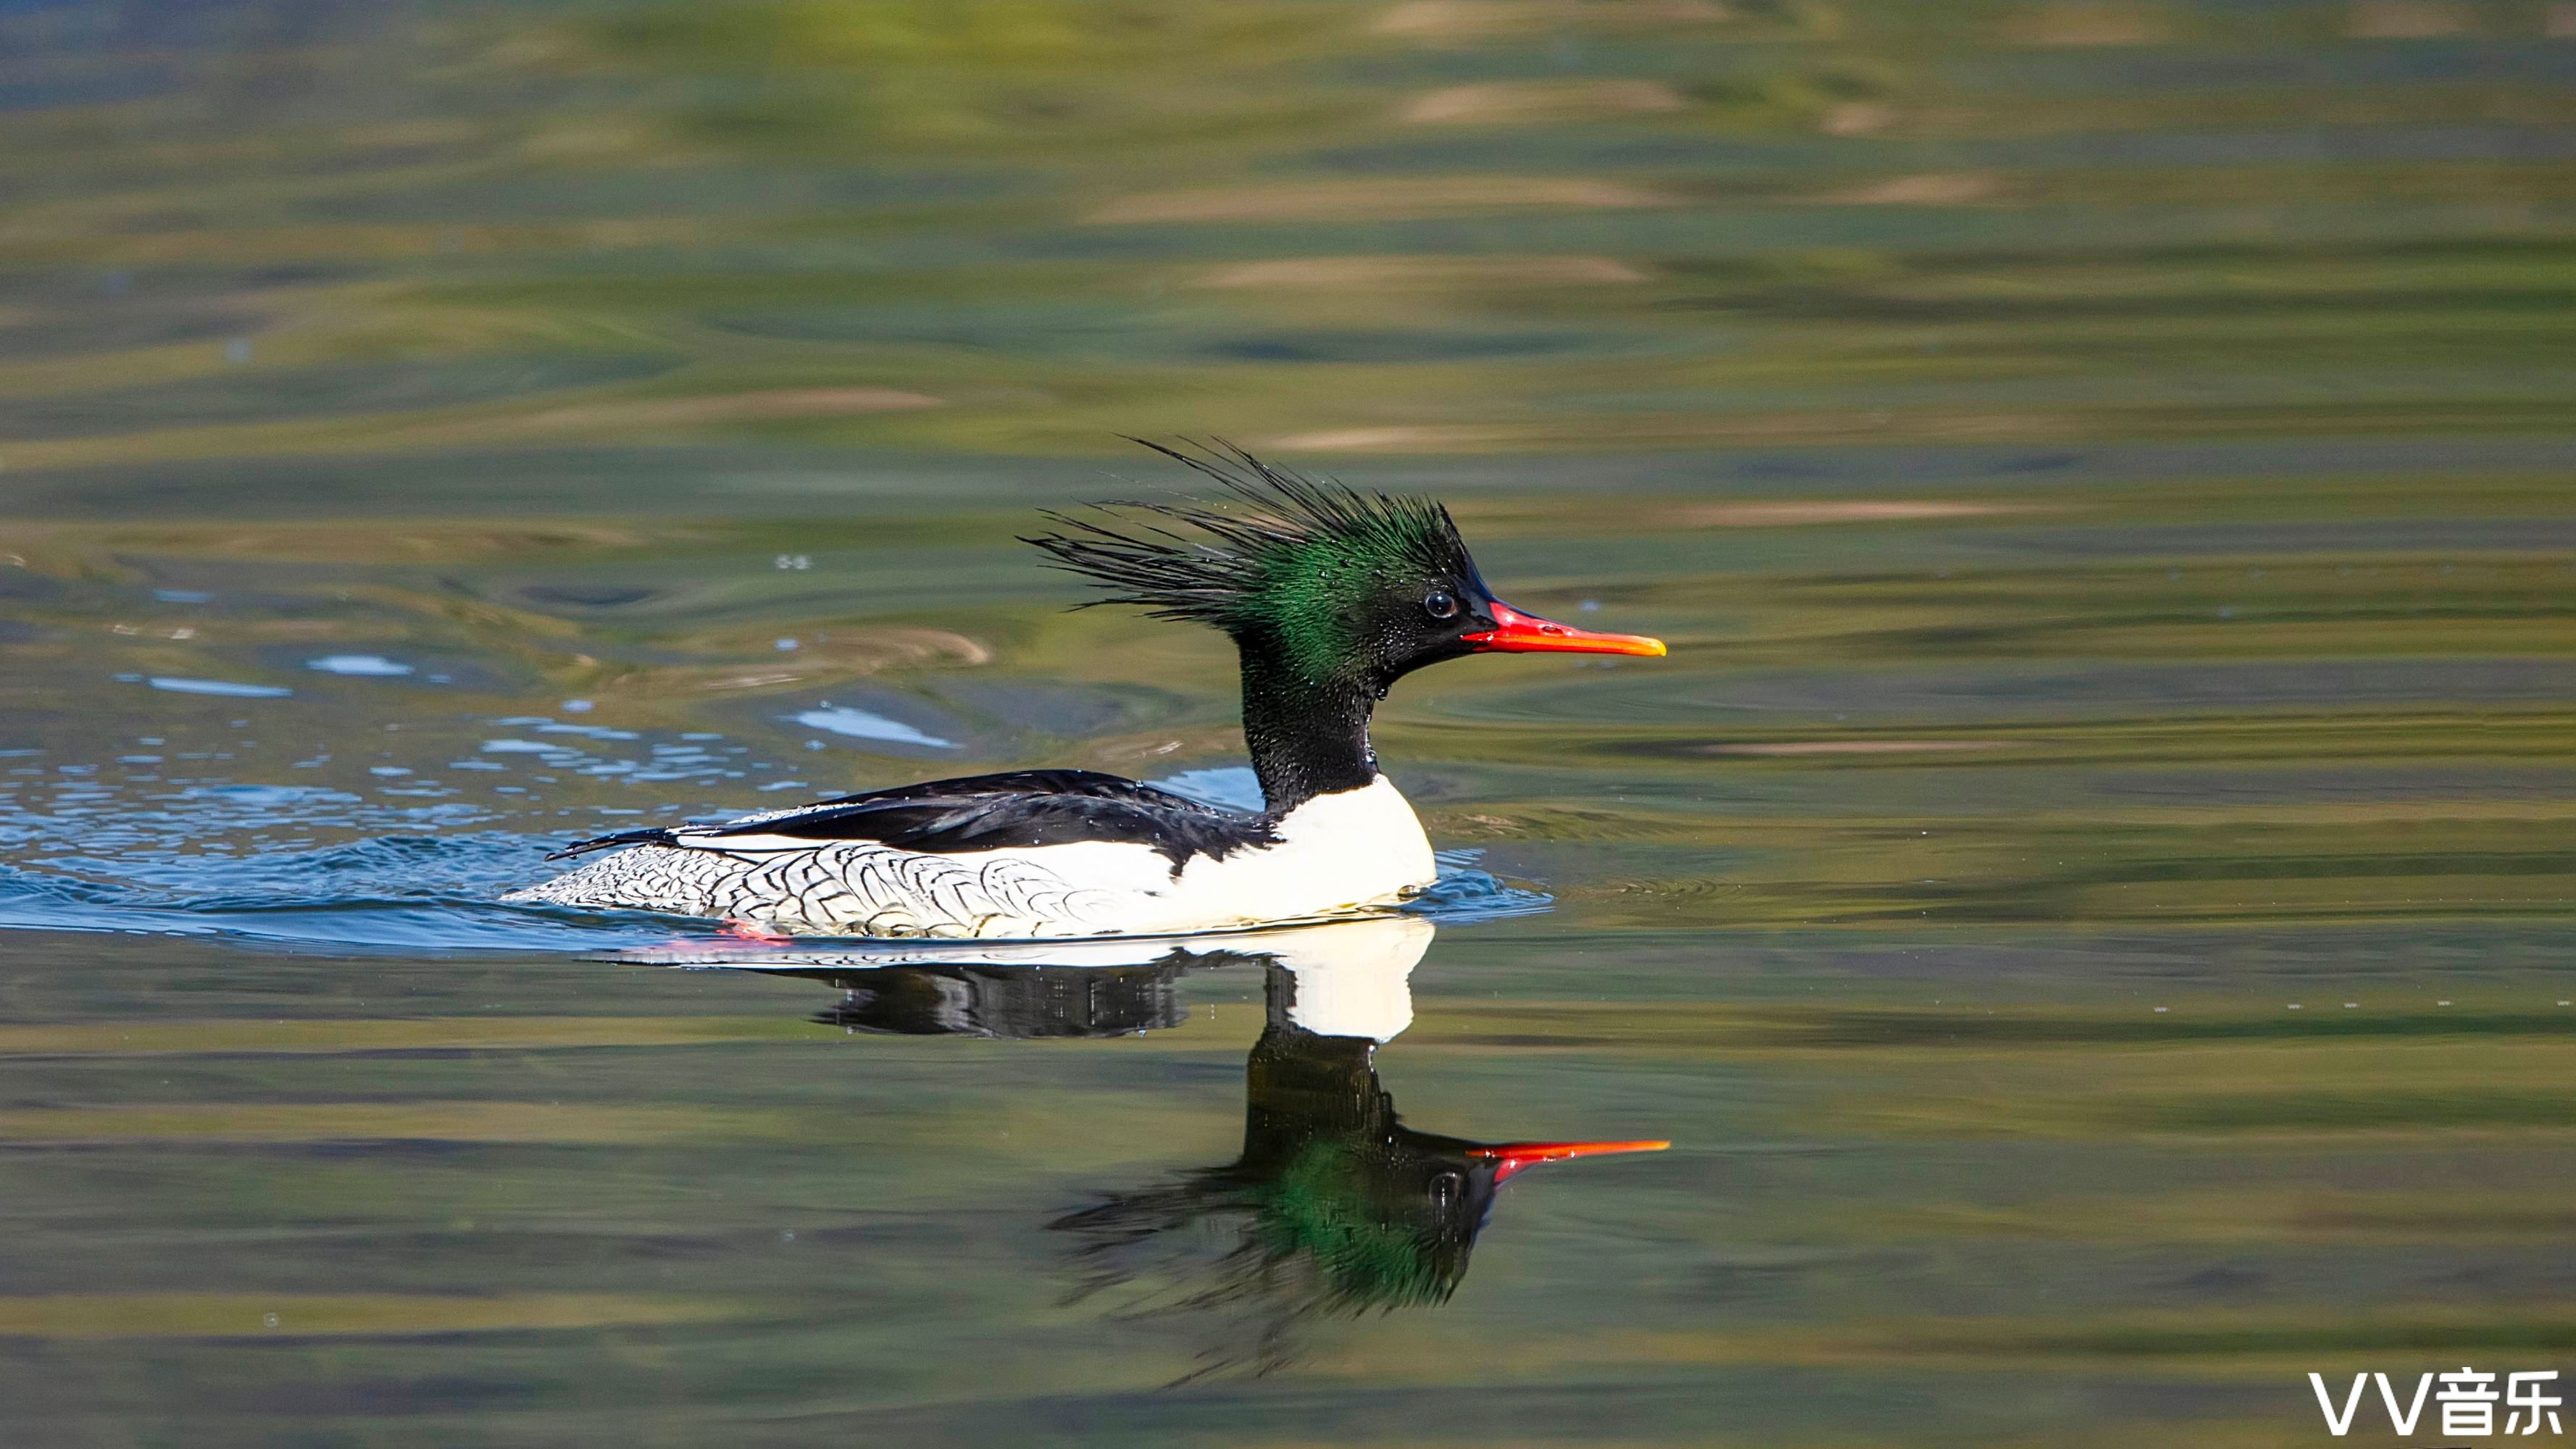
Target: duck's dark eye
{"x": 1440, "y": 604}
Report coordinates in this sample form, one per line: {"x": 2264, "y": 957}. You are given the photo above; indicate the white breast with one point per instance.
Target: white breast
{"x": 1335, "y": 853}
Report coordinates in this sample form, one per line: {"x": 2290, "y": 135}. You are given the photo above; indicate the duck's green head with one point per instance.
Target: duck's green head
{"x": 1334, "y": 587}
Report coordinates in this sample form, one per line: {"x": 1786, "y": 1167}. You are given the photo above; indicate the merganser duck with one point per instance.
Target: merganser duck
{"x": 1330, "y": 595}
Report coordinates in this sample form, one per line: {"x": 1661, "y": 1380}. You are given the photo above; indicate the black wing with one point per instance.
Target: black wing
{"x": 1017, "y": 809}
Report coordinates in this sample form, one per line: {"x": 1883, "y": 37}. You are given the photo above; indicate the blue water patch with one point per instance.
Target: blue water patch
{"x": 858, "y": 724}
{"x": 404, "y": 894}
{"x": 1234, "y": 787}
{"x": 225, "y": 687}
{"x": 374, "y": 666}
{"x": 1465, "y": 894}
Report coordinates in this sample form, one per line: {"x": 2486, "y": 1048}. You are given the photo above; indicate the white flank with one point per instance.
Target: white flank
{"x": 1335, "y": 853}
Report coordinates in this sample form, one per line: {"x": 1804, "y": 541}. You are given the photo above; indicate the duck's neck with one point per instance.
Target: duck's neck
{"x": 1306, "y": 740}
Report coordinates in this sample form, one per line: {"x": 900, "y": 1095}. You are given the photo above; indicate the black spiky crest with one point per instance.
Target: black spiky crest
{"x": 1286, "y": 566}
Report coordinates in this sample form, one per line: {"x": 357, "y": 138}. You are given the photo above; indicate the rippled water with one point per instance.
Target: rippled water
{"x": 2086, "y": 901}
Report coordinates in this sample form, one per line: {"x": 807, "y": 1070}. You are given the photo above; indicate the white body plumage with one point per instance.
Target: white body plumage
{"x": 1332, "y": 854}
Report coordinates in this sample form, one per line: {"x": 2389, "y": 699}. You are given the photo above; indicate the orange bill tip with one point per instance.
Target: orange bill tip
{"x": 1517, "y": 633}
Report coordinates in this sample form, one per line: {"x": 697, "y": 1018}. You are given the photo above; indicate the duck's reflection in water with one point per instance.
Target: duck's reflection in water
{"x": 1333, "y": 1208}
{"x": 1019, "y": 1003}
